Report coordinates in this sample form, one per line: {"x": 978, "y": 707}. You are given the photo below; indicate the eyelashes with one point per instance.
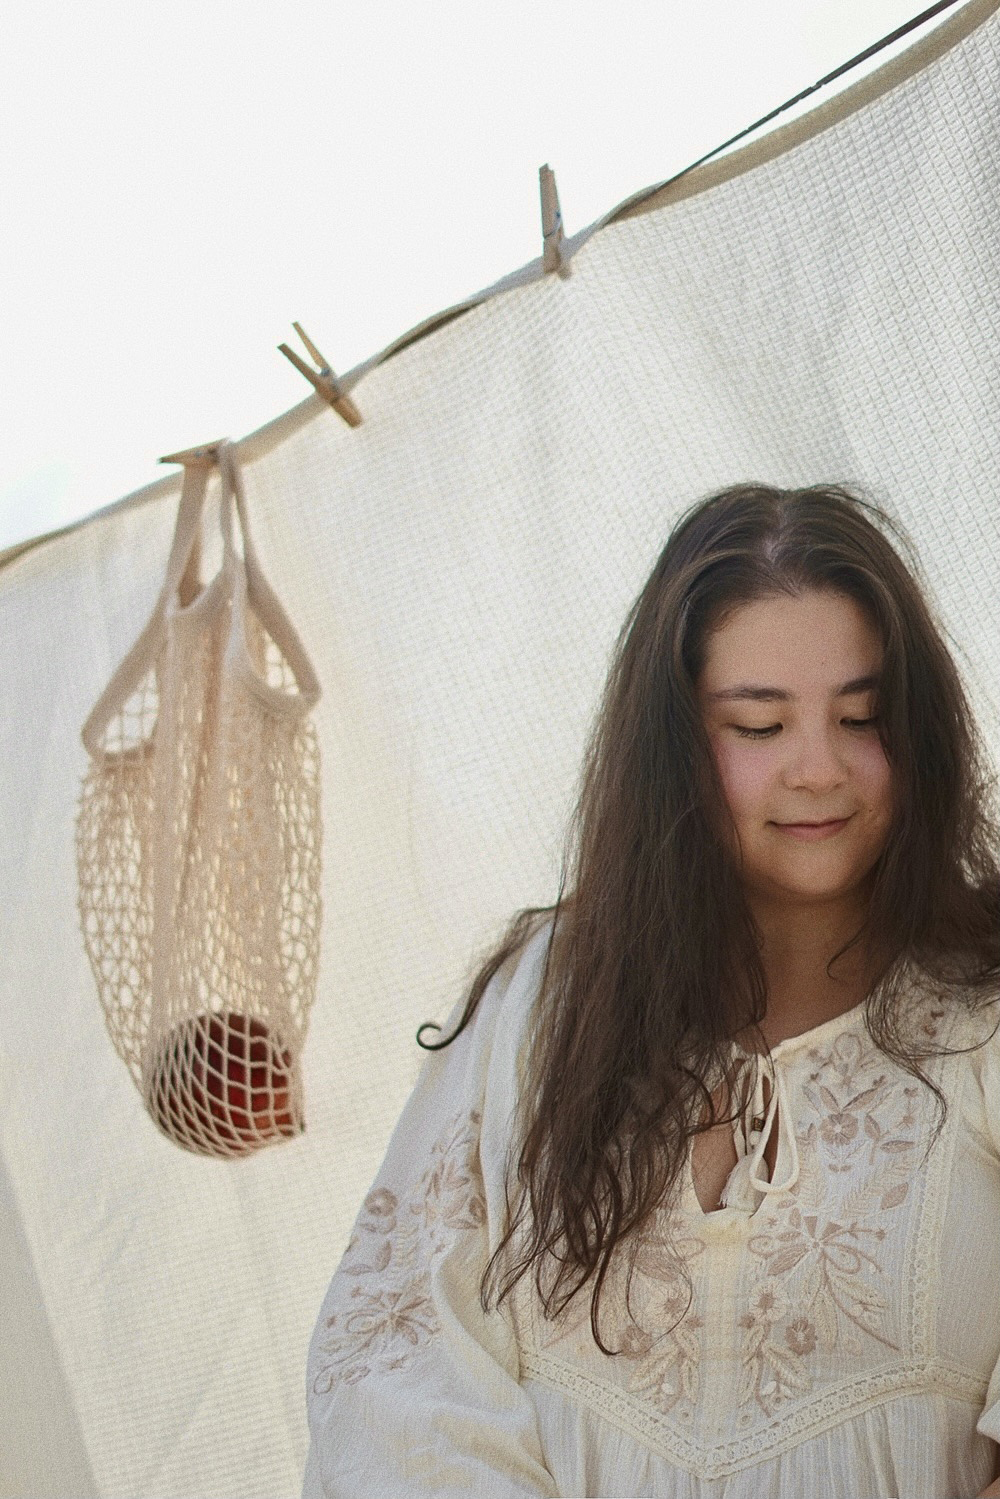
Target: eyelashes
{"x": 772, "y": 729}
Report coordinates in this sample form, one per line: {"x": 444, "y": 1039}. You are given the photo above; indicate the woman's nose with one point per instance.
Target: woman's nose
{"x": 814, "y": 761}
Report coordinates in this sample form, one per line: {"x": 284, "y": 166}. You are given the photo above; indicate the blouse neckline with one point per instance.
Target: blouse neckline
{"x": 816, "y": 1034}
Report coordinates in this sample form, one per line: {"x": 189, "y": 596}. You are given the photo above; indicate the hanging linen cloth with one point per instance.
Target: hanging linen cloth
{"x": 198, "y": 844}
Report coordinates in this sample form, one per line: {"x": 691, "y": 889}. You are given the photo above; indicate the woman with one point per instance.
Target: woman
{"x": 699, "y": 1196}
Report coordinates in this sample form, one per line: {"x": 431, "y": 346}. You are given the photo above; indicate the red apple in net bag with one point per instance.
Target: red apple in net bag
{"x": 222, "y": 1085}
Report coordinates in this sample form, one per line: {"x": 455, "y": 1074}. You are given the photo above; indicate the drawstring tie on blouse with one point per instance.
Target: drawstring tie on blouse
{"x": 754, "y": 1127}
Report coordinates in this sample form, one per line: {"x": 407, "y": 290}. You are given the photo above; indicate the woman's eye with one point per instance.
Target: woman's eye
{"x": 757, "y": 733}
{"x": 772, "y": 729}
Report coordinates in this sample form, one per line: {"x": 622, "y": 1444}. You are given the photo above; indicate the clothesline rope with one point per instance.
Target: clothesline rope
{"x": 845, "y": 67}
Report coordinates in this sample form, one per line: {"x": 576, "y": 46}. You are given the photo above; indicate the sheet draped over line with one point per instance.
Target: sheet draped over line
{"x": 458, "y": 568}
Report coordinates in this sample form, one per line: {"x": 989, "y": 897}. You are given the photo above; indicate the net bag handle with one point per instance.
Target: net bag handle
{"x": 240, "y": 576}
{"x": 253, "y": 591}
{"x": 142, "y": 657}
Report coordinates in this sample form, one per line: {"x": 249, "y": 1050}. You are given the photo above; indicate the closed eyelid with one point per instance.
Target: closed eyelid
{"x": 768, "y": 730}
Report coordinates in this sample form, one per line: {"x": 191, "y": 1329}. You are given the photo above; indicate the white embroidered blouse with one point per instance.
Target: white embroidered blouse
{"x": 836, "y": 1329}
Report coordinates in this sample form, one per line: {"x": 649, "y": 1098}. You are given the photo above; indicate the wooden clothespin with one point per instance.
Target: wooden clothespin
{"x": 324, "y": 380}
{"x": 553, "y": 254}
{"x": 203, "y": 457}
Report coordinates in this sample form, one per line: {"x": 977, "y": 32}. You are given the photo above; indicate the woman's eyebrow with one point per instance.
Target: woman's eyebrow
{"x": 748, "y": 692}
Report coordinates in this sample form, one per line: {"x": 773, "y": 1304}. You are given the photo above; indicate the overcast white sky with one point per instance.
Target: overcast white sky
{"x": 179, "y": 182}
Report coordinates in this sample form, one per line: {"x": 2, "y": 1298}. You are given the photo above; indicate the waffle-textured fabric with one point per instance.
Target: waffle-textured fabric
{"x": 832, "y": 1329}
{"x": 821, "y": 306}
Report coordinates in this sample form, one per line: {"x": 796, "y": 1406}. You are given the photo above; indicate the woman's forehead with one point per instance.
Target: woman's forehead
{"x": 772, "y": 646}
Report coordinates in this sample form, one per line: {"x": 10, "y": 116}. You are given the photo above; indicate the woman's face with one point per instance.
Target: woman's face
{"x": 788, "y": 700}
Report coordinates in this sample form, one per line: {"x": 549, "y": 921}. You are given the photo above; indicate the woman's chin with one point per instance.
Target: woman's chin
{"x": 807, "y": 886}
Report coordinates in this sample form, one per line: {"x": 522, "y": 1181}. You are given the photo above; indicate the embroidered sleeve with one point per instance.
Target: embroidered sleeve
{"x": 986, "y": 1068}
{"x": 412, "y": 1388}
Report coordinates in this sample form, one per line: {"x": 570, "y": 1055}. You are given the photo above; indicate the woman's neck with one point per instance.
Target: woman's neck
{"x": 798, "y": 943}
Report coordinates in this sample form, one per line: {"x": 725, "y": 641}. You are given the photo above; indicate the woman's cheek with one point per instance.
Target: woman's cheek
{"x": 874, "y": 773}
{"x": 745, "y": 772}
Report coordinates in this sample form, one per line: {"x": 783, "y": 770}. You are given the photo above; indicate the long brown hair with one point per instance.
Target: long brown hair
{"x": 654, "y": 963}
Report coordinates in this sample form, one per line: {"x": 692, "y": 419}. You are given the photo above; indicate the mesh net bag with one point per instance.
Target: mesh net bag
{"x": 198, "y": 845}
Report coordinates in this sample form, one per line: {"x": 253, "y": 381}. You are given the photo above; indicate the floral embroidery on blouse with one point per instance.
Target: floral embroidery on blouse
{"x": 385, "y": 1315}
{"x": 821, "y": 1251}
{"x": 660, "y": 1342}
{"x": 667, "y": 1348}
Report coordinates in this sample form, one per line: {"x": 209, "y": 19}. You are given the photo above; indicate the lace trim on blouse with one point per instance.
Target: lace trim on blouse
{"x": 852, "y": 1397}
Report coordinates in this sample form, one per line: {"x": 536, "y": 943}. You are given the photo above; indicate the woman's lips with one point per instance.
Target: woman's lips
{"x": 810, "y": 831}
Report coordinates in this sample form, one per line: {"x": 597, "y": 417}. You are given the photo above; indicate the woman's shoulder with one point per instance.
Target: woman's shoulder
{"x": 506, "y": 1000}
{"x": 964, "y": 1027}
{"x": 512, "y": 993}
{"x": 966, "y": 1014}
